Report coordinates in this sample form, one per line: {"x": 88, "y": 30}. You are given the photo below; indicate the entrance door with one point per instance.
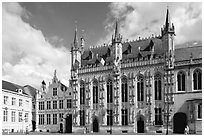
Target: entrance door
{"x": 68, "y": 124}
{"x": 33, "y": 125}
{"x": 140, "y": 126}
{"x": 61, "y": 127}
{"x": 95, "y": 125}
{"x": 180, "y": 122}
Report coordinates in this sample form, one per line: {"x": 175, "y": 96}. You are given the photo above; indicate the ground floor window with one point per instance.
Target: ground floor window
{"x": 158, "y": 116}
{"x": 41, "y": 119}
{"x": 82, "y": 118}
{"x": 48, "y": 119}
{"x": 54, "y": 118}
{"x": 124, "y": 116}
{"x": 199, "y": 111}
{"x": 109, "y": 117}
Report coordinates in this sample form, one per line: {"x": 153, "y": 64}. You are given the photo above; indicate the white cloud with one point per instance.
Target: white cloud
{"x": 145, "y": 19}
{"x": 27, "y": 57}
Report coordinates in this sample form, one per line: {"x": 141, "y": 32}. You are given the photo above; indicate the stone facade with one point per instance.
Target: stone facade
{"x": 53, "y": 104}
{"x": 135, "y": 83}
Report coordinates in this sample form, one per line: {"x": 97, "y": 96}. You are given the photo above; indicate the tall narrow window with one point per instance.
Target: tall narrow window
{"x": 124, "y": 87}
{"x": 54, "y": 91}
{"x": 54, "y": 104}
{"x": 54, "y": 119}
{"x": 5, "y": 118}
{"x": 124, "y": 116}
{"x": 13, "y": 101}
{"x": 48, "y": 104}
{"x": 6, "y": 100}
{"x": 69, "y": 103}
{"x": 48, "y": 119}
{"x": 157, "y": 87}
{"x": 140, "y": 88}
{"x": 158, "y": 116}
{"x": 20, "y": 102}
{"x": 20, "y": 118}
{"x": 109, "y": 91}
{"x": 95, "y": 92}
{"x": 82, "y": 93}
{"x": 82, "y": 117}
{"x": 61, "y": 104}
{"x": 181, "y": 81}
{"x": 41, "y": 119}
{"x": 109, "y": 117}
{"x": 13, "y": 116}
{"x": 26, "y": 117}
{"x": 197, "y": 80}
{"x": 199, "y": 111}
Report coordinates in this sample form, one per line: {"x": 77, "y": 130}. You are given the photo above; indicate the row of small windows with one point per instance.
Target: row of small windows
{"x": 14, "y": 102}
{"x": 197, "y": 80}
{"x": 51, "y": 119}
{"x": 13, "y": 116}
{"x": 54, "y": 103}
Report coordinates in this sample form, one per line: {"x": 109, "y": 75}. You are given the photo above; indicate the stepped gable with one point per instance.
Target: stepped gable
{"x": 187, "y": 52}
{"x": 12, "y": 87}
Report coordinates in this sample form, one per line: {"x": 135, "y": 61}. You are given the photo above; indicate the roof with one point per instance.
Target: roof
{"x": 194, "y": 52}
{"x": 139, "y": 49}
{"x": 30, "y": 90}
{"x": 12, "y": 87}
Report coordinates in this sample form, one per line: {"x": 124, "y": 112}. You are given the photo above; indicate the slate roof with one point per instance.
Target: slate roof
{"x": 90, "y": 56}
{"x": 30, "y": 90}
{"x": 12, "y": 87}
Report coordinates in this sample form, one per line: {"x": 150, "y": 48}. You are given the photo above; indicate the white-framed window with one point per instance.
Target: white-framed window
{"x": 27, "y": 104}
{"x": 61, "y": 104}
{"x": 82, "y": 93}
{"x": 20, "y": 117}
{"x": 41, "y": 119}
{"x": 5, "y": 117}
{"x": 13, "y": 101}
{"x": 124, "y": 116}
{"x": 140, "y": 88}
{"x": 69, "y": 103}
{"x": 13, "y": 116}
{"x": 199, "y": 112}
{"x": 54, "y": 118}
{"x": 6, "y": 100}
{"x": 48, "y": 119}
{"x": 20, "y": 102}
{"x": 158, "y": 87}
{"x": 48, "y": 104}
{"x": 95, "y": 92}
{"x": 54, "y": 91}
{"x": 54, "y": 104}
{"x": 26, "y": 117}
{"x": 41, "y": 105}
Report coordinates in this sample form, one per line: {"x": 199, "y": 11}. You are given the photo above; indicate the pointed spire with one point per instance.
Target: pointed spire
{"x": 116, "y": 28}
{"x": 75, "y": 36}
{"x": 168, "y": 21}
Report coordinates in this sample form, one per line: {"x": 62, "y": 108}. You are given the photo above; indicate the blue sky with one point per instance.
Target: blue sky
{"x": 37, "y": 37}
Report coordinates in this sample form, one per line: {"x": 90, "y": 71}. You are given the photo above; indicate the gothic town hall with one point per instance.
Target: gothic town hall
{"x": 139, "y": 86}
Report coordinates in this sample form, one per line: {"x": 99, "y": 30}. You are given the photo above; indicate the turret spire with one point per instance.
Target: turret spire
{"x": 116, "y": 29}
{"x": 75, "y": 37}
{"x": 168, "y": 21}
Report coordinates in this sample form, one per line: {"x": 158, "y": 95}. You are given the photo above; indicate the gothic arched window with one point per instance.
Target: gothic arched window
{"x": 197, "y": 80}
{"x": 82, "y": 93}
{"x": 124, "y": 87}
{"x": 95, "y": 92}
{"x": 109, "y": 91}
{"x": 140, "y": 88}
{"x": 157, "y": 87}
{"x": 181, "y": 81}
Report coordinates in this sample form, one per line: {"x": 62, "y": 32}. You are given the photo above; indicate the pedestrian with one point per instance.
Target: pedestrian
{"x": 186, "y": 130}
{"x": 27, "y": 130}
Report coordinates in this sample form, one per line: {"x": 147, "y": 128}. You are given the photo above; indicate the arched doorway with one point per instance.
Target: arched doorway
{"x": 180, "y": 122}
{"x": 140, "y": 125}
{"x": 95, "y": 125}
{"x": 68, "y": 119}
